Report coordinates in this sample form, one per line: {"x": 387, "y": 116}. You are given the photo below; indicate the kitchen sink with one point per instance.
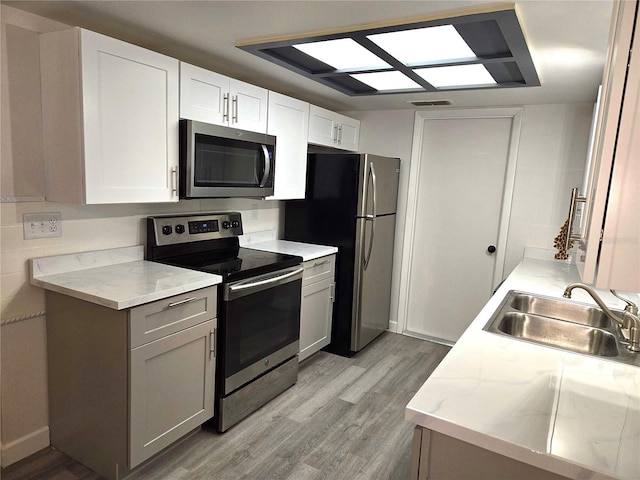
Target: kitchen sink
{"x": 559, "y": 333}
{"x": 560, "y": 309}
{"x": 562, "y": 324}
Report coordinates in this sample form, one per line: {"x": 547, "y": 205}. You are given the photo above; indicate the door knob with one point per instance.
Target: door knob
{"x": 491, "y": 249}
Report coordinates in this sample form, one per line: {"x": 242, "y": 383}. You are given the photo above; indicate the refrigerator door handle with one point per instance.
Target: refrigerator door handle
{"x": 371, "y": 218}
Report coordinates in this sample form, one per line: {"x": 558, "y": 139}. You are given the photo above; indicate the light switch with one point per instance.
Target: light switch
{"x": 42, "y": 225}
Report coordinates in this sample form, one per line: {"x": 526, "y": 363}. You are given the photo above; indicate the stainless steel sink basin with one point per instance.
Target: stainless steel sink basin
{"x": 560, "y": 309}
{"x": 563, "y": 324}
{"x": 557, "y": 333}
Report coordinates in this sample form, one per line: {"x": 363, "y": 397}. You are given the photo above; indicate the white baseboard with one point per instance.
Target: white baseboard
{"x": 25, "y": 446}
{"x": 393, "y": 326}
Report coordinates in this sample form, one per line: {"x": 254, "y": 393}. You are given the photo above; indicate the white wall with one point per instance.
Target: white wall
{"x": 551, "y": 161}
{"x": 23, "y": 373}
{"x": 551, "y": 158}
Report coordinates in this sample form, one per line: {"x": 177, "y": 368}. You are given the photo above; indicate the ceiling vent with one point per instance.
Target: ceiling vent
{"x": 432, "y": 103}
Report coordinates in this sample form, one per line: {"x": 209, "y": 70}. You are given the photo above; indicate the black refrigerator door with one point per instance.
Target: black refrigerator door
{"x": 328, "y": 217}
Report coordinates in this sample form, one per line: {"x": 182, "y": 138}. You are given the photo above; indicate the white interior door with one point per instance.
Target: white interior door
{"x": 462, "y": 174}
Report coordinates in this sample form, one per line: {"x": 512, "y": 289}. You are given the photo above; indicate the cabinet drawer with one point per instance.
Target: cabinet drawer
{"x": 318, "y": 269}
{"x": 161, "y": 318}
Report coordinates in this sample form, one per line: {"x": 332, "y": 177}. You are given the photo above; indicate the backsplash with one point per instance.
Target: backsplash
{"x": 92, "y": 227}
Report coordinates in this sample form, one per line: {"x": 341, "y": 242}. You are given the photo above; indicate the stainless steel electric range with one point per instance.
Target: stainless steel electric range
{"x": 258, "y": 307}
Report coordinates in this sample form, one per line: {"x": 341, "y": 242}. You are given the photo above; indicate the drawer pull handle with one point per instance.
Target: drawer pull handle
{"x": 182, "y": 302}
{"x": 324, "y": 262}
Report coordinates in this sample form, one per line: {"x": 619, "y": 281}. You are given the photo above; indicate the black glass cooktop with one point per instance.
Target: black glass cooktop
{"x": 235, "y": 264}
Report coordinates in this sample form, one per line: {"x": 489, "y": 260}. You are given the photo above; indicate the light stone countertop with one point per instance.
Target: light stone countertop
{"x": 571, "y": 414}
{"x": 307, "y": 251}
{"x": 117, "y": 278}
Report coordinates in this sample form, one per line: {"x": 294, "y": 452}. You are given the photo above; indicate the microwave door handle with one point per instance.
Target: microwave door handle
{"x": 267, "y": 166}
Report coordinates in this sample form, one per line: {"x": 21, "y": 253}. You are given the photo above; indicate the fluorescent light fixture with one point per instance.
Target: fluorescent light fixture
{"x": 457, "y": 76}
{"x": 392, "y": 80}
{"x": 447, "y": 54}
{"x": 423, "y": 45}
{"x": 342, "y": 54}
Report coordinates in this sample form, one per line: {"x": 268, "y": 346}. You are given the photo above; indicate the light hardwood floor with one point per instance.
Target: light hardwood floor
{"x": 344, "y": 419}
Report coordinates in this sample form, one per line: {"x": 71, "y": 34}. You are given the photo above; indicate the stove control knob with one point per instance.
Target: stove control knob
{"x": 179, "y": 228}
{"x": 226, "y": 224}
{"x": 235, "y": 224}
{"x": 166, "y": 230}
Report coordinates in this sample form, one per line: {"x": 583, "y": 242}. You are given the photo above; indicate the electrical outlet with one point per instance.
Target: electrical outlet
{"x": 42, "y": 225}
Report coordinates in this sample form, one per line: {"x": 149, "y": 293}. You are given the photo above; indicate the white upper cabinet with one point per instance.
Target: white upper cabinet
{"x": 610, "y": 256}
{"x": 110, "y": 120}
{"x": 209, "y": 97}
{"x": 289, "y": 122}
{"x": 332, "y": 129}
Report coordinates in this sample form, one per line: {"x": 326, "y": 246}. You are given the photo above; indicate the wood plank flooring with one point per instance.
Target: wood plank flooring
{"x": 344, "y": 419}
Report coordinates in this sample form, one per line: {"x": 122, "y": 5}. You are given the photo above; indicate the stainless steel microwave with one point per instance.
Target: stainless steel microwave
{"x": 218, "y": 161}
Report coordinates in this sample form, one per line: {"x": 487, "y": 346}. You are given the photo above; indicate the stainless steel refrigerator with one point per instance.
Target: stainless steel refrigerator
{"x": 351, "y": 204}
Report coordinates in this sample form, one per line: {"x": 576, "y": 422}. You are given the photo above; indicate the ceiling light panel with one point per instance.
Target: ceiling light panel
{"x": 392, "y": 80}
{"x": 343, "y": 54}
{"x": 463, "y": 51}
{"x": 457, "y": 76}
{"x": 424, "y": 45}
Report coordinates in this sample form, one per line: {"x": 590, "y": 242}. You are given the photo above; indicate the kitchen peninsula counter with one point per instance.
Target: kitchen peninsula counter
{"x": 574, "y": 415}
{"x": 118, "y": 278}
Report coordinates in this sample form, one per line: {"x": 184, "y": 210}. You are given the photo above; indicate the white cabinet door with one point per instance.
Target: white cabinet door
{"x": 331, "y": 129}
{"x": 203, "y": 95}
{"x": 248, "y": 106}
{"x": 110, "y": 120}
{"x": 610, "y": 256}
{"x": 316, "y": 314}
{"x": 316, "y": 309}
{"x": 288, "y": 120}
{"x": 322, "y": 126}
{"x": 619, "y": 262}
{"x": 171, "y": 389}
{"x": 348, "y": 133}
{"x": 209, "y": 97}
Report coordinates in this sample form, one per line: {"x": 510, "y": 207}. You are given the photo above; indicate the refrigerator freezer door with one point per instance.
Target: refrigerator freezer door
{"x": 372, "y": 287}
{"x": 386, "y": 172}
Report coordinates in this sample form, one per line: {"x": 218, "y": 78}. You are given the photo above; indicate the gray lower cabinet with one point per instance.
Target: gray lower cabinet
{"x": 124, "y": 384}
{"x": 436, "y": 456}
{"x": 316, "y": 314}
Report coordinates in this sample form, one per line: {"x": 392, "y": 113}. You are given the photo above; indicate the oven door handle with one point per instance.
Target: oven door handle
{"x": 241, "y": 289}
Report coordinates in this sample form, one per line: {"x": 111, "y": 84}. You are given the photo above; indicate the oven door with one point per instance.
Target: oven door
{"x": 261, "y": 325}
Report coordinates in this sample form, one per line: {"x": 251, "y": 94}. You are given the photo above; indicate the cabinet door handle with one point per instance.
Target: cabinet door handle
{"x": 334, "y": 133}
{"x": 234, "y": 109}
{"x": 212, "y": 343}
{"x": 333, "y": 293}
{"x": 182, "y": 302}
{"x": 225, "y": 107}
{"x": 174, "y": 181}
{"x": 340, "y": 135}
{"x": 572, "y": 213}
{"x": 324, "y": 262}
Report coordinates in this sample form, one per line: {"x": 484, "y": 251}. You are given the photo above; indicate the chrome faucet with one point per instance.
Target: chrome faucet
{"x": 629, "y": 318}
